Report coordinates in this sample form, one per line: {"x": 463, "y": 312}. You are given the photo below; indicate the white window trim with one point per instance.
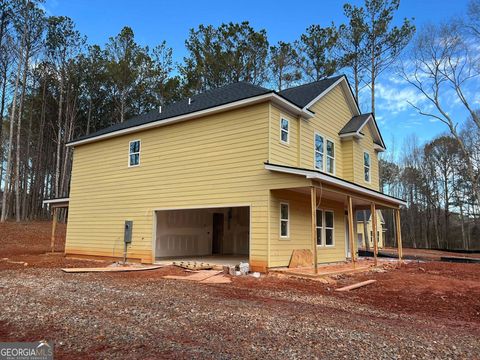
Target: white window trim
{"x": 327, "y": 156}
{"x": 287, "y": 220}
{"x": 315, "y": 151}
{"x": 369, "y": 181}
{"x": 139, "y": 153}
{"x": 324, "y": 228}
{"x": 281, "y": 130}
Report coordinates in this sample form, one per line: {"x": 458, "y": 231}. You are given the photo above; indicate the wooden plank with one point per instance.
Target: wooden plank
{"x": 54, "y": 226}
{"x": 313, "y": 196}
{"x": 356, "y": 286}
{"x": 301, "y": 258}
{"x": 373, "y": 211}
{"x": 111, "y": 269}
{"x": 398, "y": 233}
{"x": 350, "y": 228}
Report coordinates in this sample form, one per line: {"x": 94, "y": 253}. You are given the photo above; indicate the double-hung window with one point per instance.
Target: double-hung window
{"x": 325, "y": 228}
{"x": 319, "y": 141}
{"x": 284, "y": 220}
{"x": 324, "y": 153}
{"x": 134, "y": 153}
{"x": 284, "y": 130}
{"x": 366, "y": 166}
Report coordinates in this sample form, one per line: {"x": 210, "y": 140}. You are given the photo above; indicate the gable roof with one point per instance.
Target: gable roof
{"x": 302, "y": 95}
{"x": 355, "y": 125}
{"x": 297, "y": 100}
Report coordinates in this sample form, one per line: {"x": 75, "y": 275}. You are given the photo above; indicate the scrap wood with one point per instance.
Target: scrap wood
{"x": 301, "y": 258}
{"x": 217, "y": 279}
{"x": 197, "y": 276}
{"x": 355, "y": 286}
{"x": 193, "y": 265}
{"x": 111, "y": 269}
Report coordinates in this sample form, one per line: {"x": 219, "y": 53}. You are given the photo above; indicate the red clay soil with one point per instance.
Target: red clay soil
{"x": 430, "y": 309}
{"x": 428, "y": 254}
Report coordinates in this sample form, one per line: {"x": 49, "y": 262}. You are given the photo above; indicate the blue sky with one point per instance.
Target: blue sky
{"x": 154, "y": 21}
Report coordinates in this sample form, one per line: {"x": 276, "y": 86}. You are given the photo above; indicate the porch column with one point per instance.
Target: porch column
{"x": 350, "y": 228}
{"x": 398, "y": 233}
{"x": 54, "y": 226}
{"x": 374, "y": 232}
{"x": 313, "y": 197}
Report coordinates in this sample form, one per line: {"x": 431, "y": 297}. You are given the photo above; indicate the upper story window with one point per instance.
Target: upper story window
{"x": 324, "y": 153}
{"x": 330, "y": 157}
{"x": 134, "y": 153}
{"x": 319, "y": 152}
{"x": 284, "y": 220}
{"x": 366, "y": 166}
{"x": 284, "y": 130}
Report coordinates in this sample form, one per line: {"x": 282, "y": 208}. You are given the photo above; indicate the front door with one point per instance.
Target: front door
{"x": 217, "y": 234}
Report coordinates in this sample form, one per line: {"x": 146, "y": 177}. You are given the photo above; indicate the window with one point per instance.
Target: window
{"x": 329, "y": 228}
{"x": 325, "y": 228}
{"x": 319, "y": 227}
{"x": 378, "y": 236}
{"x": 366, "y": 166}
{"x": 134, "y": 153}
{"x": 330, "y": 157}
{"x": 318, "y": 152}
{"x": 284, "y": 220}
{"x": 284, "y": 130}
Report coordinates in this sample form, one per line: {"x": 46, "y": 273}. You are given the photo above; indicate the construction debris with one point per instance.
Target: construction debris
{"x": 203, "y": 276}
{"x": 356, "y": 286}
{"x": 111, "y": 269}
{"x": 193, "y": 265}
{"x": 301, "y": 258}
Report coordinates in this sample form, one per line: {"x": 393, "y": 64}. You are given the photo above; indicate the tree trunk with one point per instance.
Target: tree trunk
{"x": 7, "y": 182}
{"x": 59, "y": 138}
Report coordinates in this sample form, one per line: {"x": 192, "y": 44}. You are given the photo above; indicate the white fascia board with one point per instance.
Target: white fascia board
{"x": 355, "y": 134}
{"x": 338, "y": 182}
{"x": 234, "y": 105}
{"x": 351, "y": 98}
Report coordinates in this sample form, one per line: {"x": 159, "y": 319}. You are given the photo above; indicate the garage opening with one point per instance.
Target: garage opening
{"x": 216, "y": 235}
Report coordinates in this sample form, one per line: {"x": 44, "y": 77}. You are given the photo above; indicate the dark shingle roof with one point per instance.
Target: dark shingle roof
{"x": 360, "y": 215}
{"x": 209, "y": 99}
{"x": 299, "y": 96}
{"x": 303, "y": 94}
{"x": 355, "y": 123}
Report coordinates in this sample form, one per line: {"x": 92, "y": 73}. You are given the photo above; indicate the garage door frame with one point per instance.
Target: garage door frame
{"x": 154, "y": 222}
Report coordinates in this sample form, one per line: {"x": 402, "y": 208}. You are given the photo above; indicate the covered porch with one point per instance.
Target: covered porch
{"x": 330, "y": 204}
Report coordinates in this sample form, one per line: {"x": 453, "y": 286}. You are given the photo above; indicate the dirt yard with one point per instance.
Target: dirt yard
{"x": 422, "y": 310}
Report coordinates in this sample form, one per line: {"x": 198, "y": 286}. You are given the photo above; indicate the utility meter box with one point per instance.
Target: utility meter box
{"x": 127, "y": 237}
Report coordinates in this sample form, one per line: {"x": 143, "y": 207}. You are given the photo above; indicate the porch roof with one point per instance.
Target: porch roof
{"x": 57, "y": 202}
{"x": 335, "y": 181}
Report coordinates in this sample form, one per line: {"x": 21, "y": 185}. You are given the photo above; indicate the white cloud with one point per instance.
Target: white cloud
{"x": 395, "y": 99}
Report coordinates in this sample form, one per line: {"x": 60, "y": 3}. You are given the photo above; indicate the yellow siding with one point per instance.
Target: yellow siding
{"x": 281, "y": 153}
{"x": 369, "y": 230}
{"x": 300, "y": 228}
{"x": 361, "y": 145}
{"x": 348, "y": 156}
{"x": 216, "y": 160}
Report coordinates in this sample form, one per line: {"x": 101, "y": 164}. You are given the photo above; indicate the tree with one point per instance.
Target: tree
{"x": 442, "y": 65}
{"x": 282, "y": 63}
{"x": 384, "y": 41}
{"x": 125, "y": 59}
{"x": 218, "y": 56}
{"x": 317, "y": 52}
{"x": 352, "y": 42}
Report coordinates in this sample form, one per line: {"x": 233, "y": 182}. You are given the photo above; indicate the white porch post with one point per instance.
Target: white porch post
{"x": 313, "y": 197}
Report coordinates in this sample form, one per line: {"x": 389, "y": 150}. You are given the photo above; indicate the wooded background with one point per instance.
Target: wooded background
{"x": 55, "y": 87}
